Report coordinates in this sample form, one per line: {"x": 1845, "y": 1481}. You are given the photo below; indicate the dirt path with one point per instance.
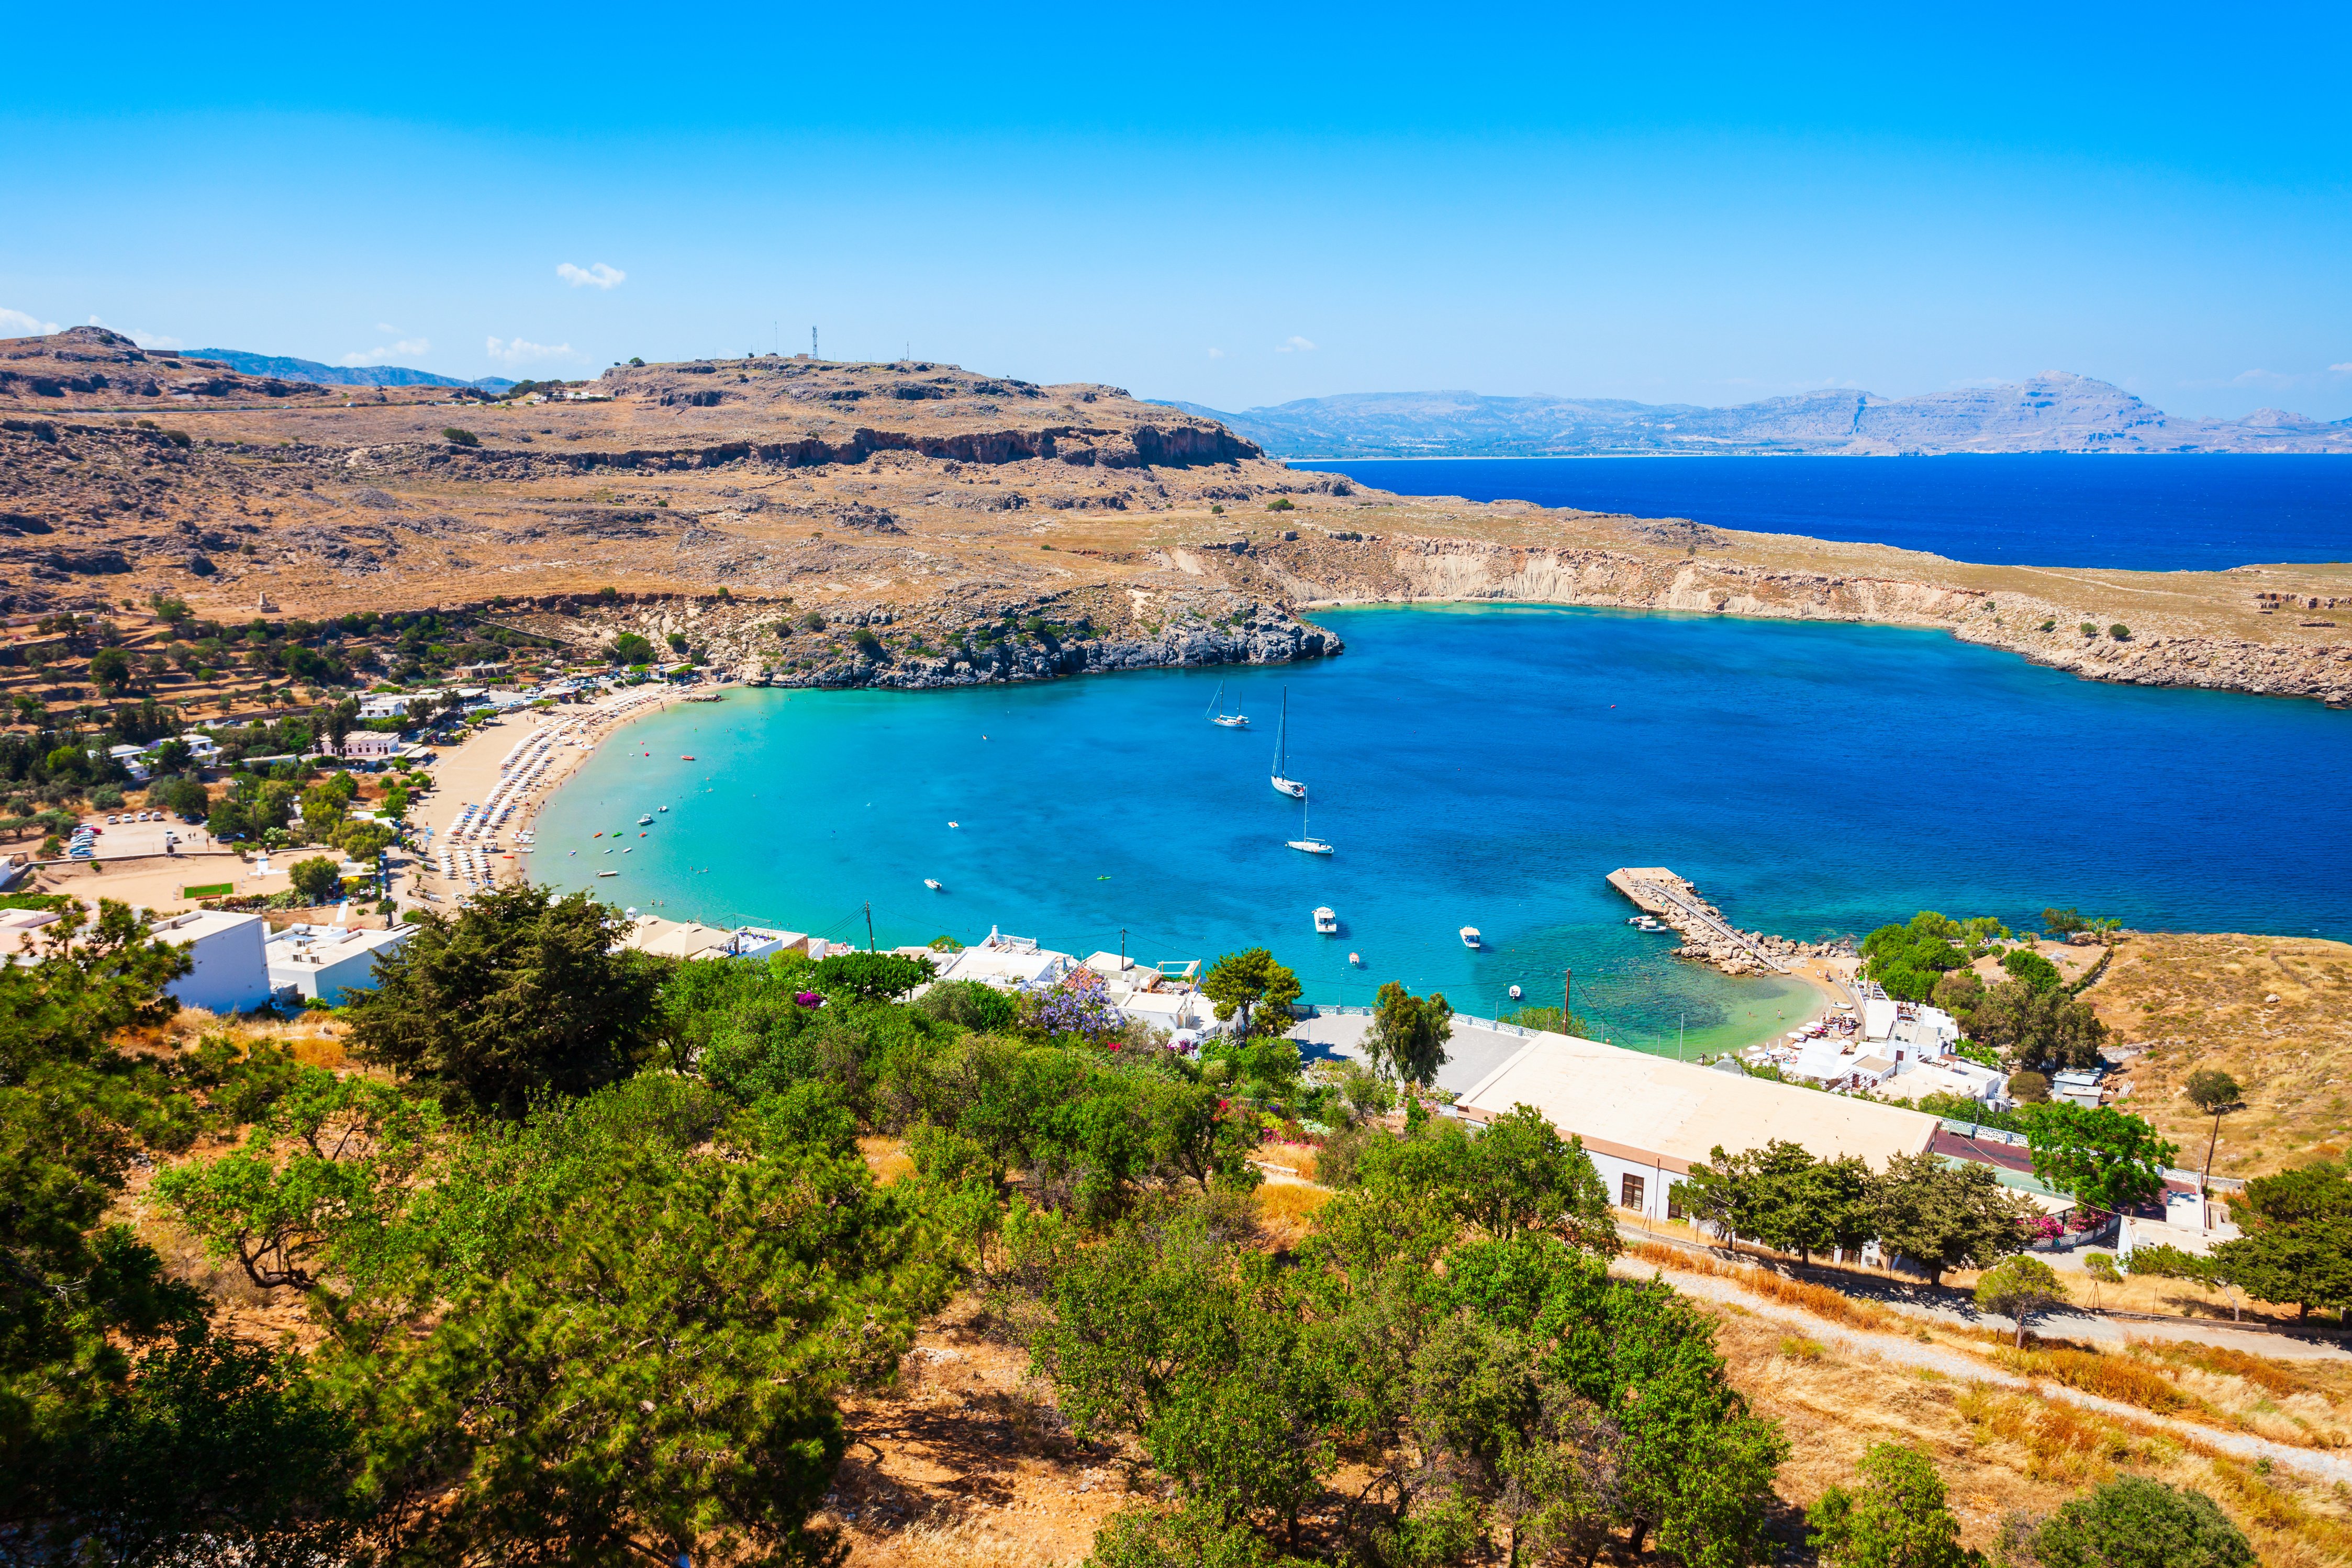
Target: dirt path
{"x": 1965, "y": 1368}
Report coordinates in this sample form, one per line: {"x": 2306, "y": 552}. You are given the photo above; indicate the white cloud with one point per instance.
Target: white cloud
{"x": 16, "y": 324}
{"x": 518, "y": 351}
{"x": 387, "y": 328}
{"x": 597, "y": 276}
{"x": 1216, "y": 353}
{"x": 2261, "y": 378}
{"x": 1295, "y": 345}
{"x": 407, "y": 348}
{"x": 2342, "y": 370}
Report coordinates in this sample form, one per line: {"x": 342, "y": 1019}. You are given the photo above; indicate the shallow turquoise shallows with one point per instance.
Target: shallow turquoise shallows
{"x": 1486, "y": 767}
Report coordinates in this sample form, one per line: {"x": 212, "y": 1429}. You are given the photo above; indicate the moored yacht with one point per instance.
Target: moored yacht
{"x": 1326, "y": 921}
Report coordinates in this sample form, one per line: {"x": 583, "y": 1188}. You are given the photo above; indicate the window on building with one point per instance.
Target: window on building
{"x": 1673, "y": 1200}
{"x": 1629, "y": 1191}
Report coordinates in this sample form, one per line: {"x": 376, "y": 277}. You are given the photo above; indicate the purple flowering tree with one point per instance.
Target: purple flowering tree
{"x": 1078, "y": 1004}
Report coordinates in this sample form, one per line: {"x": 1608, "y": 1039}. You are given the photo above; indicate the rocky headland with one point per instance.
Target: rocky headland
{"x": 915, "y": 523}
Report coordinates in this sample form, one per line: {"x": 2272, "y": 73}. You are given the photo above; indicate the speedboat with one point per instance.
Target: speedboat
{"x": 933, "y": 884}
{"x": 608, "y": 873}
{"x": 1326, "y": 921}
{"x": 1470, "y": 936}
{"x": 646, "y": 821}
{"x": 1356, "y": 960}
{"x": 1515, "y": 993}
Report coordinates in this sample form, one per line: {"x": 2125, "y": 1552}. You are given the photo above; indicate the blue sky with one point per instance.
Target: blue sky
{"x": 1230, "y": 205}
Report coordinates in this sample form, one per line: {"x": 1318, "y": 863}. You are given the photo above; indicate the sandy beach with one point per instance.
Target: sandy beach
{"x": 474, "y": 825}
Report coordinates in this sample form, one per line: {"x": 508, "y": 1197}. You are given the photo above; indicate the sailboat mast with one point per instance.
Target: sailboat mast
{"x": 1282, "y": 738}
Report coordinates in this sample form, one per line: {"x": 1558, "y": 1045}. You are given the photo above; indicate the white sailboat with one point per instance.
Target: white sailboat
{"x": 1218, "y": 716}
{"x": 1281, "y": 752}
{"x": 1306, "y": 842}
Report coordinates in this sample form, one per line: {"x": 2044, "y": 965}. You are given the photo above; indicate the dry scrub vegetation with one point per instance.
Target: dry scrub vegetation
{"x": 2273, "y": 1013}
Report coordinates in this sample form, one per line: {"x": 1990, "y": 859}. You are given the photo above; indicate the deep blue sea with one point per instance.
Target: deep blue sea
{"x": 1486, "y": 766}
{"x": 2146, "y": 514}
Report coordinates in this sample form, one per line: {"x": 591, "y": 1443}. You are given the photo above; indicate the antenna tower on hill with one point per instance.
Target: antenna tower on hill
{"x": 813, "y": 343}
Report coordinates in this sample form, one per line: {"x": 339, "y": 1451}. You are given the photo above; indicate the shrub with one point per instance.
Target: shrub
{"x": 2089, "y": 630}
{"x": 1280, "y": 504}
{"x": 457, "y": 437}
{"x": 2031, "y": 1087}
{"x": 2050, "y": 625}
{"x": 2119, "y": 632}
{"x": 2131, "y": 1522}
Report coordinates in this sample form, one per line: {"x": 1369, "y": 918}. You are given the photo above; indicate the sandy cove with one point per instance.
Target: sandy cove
{"x": 473, "y": 772}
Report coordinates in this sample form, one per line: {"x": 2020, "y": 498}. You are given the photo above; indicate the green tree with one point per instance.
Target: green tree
{"x": 205, "y": 1440}
{"x": 2020, "y": 1289}
{"x": 110, "y": 671}
{"x": 629, "y": 648}
{"x": 1251, "y": 986}
{"x": 1946, "y": 1217}
{"x": 2037, "y": 972}
{"x": 520, "y": 993}
{"x": 316, "y": 879}
{"x": 2030, "y": 1088}
{"x": 2132, "y": 1522}
{"x": 1908, "y": 960}
{"x": 1896, "y": 1518}
{"x": 1783, "y": 1197}
{"x": 1520, "y": 1175}
{"x": 1409, "y": 1034}
{"x": 2065, "y": 922}
{"x": 2038, "y": 1028}
{"x": 2215, "y": 1094}
{"x": 871, "y": 976}
{"x": 2101, "y": 1156}
{"x": 645, "y": 1356}
{"x": 332, "y": 1157}
{"x": 2297, "y": 1245}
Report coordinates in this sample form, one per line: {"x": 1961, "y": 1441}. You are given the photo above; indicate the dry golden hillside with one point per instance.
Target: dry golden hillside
{"x": 914, "y": 490}
{"x": 2273, "y": 1013}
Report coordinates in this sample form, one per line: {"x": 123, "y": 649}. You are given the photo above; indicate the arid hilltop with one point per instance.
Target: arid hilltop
{"x": 969, "y": 526}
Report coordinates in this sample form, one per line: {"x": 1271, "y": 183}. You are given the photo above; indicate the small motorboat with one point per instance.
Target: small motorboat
{"x": 1470, "y": 936}
{"x": 1515, "y": 993}
{"x": 665, "y": 808}
{"x": 1356, "y": 960}
{"x": 608, "y": 873}
{"x": 1326, "y": 921}
{"x": 933, "y": 884}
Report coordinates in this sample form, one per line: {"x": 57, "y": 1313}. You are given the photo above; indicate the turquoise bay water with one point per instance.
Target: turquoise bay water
{"x": 1485, "y": 765}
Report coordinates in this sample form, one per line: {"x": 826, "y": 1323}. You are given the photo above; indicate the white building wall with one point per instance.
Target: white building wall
{"x": 230, "y": 973}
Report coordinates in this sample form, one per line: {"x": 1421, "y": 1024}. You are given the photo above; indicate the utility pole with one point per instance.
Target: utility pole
{"x": 1122, "y": 946}
{"x": 812, "y": 342}
{"x": 1567, "y": 980}
{"x": 870, "y": 925}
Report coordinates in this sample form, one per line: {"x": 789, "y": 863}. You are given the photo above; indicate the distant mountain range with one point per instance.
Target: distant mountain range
{"x": 2052, "y": 413}
{"x": 291, "y": 370}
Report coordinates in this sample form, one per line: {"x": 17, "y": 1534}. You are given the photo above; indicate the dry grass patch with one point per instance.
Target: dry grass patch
{"x": 2273, "y": 1013}
{"x": 887, "y": 1158}
{"x": 1821, "y": 1301}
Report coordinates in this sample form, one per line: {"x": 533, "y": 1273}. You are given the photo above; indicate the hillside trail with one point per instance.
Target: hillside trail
{"x": 1903, "y": 1352}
